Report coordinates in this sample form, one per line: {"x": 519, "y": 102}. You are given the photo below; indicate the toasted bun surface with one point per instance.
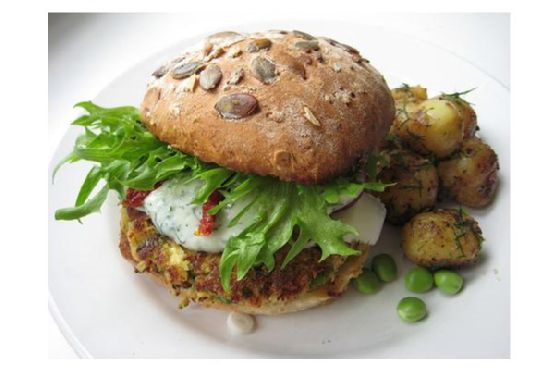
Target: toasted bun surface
{"x": 193, "y": 276}
{"x": 278, "y": 103}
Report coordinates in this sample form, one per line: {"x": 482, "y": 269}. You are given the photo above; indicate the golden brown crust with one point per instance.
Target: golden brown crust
{"x": 415, "y": 188}
{"x": 442, "y": 238}
{"x": 317, "y": 111}
{"x": 350, "y": 269}
{"x": 470, "y": 176}
{"x": 193, "y": 276}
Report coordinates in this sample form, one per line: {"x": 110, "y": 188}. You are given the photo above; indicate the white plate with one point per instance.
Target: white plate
{"x": 105, "y": 310}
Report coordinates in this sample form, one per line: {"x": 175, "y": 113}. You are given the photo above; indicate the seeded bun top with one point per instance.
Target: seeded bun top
{"x": 278, "y": 103}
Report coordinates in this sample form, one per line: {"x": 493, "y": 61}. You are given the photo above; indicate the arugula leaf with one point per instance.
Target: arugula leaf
{"x": 92, "y": 205}
{"x": 277, "y": 214}
{"x": 279, "y": 209}
{"x": 126, "y": 153}
{"x": 339, "y": 189}
{"x": 213, "y": 178}
{"x": 67, "y": 159}
{"x": 92, "y": 179}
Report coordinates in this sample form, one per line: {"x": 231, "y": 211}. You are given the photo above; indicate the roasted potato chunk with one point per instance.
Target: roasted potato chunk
{"x": 470, "y": 176}
{"x": 468, "y": 115}
{"x": 409, "y": 93}
{"x": 416, "y": 186}
{"x": 442, "y": 238}
{"x": 432, "y": 126}
{"x": 406, "y": 100}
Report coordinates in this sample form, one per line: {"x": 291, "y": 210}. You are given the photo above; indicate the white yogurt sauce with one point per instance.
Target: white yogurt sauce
{"x": 174, "y": 215}
{"x": 240, "y": 323}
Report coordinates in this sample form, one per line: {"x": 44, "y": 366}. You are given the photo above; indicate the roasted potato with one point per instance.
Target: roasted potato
{"x": 407, "y": 93}
{"x": 406, "y": 100}
{"x": 443, "y": 238}
{"x": 468, "y": 115}
{"x": 470, "y": 176}
{"x": 433, "y": 126}
{"x": 416, "y": 186}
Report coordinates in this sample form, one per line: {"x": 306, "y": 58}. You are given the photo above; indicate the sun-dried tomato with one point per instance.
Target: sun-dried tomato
{"x": 206, "y": 226}
{"x": 135, "y": 198}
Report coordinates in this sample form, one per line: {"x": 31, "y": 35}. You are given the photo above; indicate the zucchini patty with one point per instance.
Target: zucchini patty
{"x": 194, "y": 275}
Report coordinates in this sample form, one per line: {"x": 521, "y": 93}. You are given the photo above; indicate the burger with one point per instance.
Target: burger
{"x": 245, "y": 176}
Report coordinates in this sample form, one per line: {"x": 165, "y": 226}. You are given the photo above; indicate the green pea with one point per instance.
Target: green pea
{"x": 449, "y": 282}
{"x": 367, "y": 282}
{"x": 419, "y": 280}
{"x": 412, "y": 309}
{"x": 384, "y": 267}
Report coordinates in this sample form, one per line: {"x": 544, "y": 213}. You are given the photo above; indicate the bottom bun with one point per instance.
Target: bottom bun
{"x": 193, "y": 276}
